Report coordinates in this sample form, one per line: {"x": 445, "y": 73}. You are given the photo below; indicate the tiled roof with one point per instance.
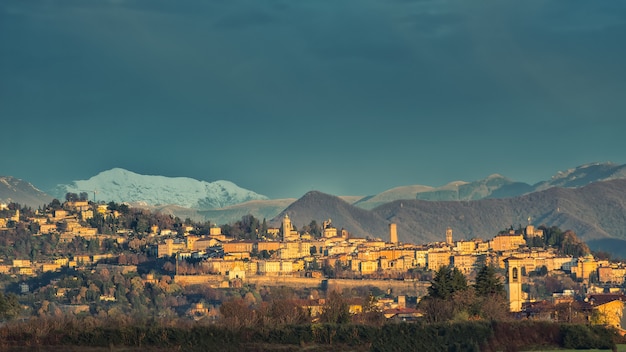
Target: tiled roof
{"x": 600, "y": 299}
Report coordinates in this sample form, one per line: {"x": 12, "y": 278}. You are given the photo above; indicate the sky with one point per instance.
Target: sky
{"x": 348, "y": 97}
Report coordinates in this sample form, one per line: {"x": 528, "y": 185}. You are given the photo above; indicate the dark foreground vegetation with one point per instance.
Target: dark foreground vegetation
{"x": 87, "y": 334}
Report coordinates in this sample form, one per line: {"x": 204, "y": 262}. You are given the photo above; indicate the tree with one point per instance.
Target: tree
{"x": 493, "y": 307}
{"x": 436, "y": 309}
{"x": 371, "y": 314}
{"x": 315, "y": 229}
{"x": 542, "y": 270}
{"x": 287, "y": 311}
{"x": 237, "y": 313}
{"x": 264, "y": 228}
{"x": 571, "y": 245}
{"x": 9, "y": 306}
{"x": 93, "y": 246}
{"x": 314, "y": 265}
{"x": 124, "y": 209}
{"x": 55, "y": 204}
{"x": 141, "y": 225}
{"x": 336, "y": 309}
{"x": 535, "y": 241}
{"x": 487, "y": 283}
{"x": 553, "y": 235}
{"x": 448, "y": 296}
{"x": 71, "y": 197}
{"x": 458, "y": 280}
{"x": 446, "y": 282}
{"x": 490, "y": 301}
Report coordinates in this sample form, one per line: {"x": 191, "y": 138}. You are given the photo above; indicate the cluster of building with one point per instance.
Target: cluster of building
{"x": 294, "y": 254}
{"x": 290, "y": 254}
{"x": 297, "y": 255}
{"x": 67, "y": 222}
{"x": 32, "y": 268}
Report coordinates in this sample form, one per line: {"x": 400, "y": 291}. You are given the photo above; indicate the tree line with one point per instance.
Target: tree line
{"x": 486, "y": 336}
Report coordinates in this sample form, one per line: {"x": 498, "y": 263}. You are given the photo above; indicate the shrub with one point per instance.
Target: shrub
{"x": 586, "y": 337}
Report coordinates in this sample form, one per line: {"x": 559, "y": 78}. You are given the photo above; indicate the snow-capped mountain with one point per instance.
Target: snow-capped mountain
{"x": 493, "y": 186}
{"x": 120, "y": 185}
{"x": 498, "y": 186}
{"x": 584, "y": 175}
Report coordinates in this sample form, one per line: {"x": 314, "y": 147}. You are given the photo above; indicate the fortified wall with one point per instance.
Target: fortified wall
{"x": 398, "y": 287}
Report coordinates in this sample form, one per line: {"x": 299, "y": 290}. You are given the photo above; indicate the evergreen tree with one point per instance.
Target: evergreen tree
{"x": 264, "y": 227}
{"x": 9, "y": 306}
{"x": 487, "y": 283}
{"x": 446, "y": 282}
{"x": 458, "y": 280}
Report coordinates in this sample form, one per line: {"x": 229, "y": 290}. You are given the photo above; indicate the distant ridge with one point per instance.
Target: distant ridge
{"x": 595, "y": 211}
{"x": 616, "y": 247}
{"x": 493, "y": 186}
{"x": 223, "y": 202}
{"x": 18, "y": 191}
{"x": 260, "y": 209}
{"x": 584, "y": 175}
{"x": 497, "y": 186}
{"x": 320, "y": 206}
{"x": 403, "y": 192}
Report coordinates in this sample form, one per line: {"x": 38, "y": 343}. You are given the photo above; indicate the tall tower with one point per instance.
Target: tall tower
{"x": 393, "y": 233}
{"x": 286, "y": 227}
{"x": 514, "y": 283}
{"x": 191, "y": 242}
{"x": 449, "y": 237}
{"x": 530, "y": 231}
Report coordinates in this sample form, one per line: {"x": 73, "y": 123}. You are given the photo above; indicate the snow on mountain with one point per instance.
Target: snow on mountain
{"x": 120, "y": 185}
{"x": 583, "y": 175}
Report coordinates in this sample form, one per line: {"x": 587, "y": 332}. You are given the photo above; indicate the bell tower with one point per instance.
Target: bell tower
{"x": 286, "y": 227}
{"x": 514, "y": 284}
{"x": 449, "y": 240}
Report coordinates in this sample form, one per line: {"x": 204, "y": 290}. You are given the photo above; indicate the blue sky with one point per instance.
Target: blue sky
{"x": 349, "y": 97}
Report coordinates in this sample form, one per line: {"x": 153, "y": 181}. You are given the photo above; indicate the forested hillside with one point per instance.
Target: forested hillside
{"x": 595, "y": 211}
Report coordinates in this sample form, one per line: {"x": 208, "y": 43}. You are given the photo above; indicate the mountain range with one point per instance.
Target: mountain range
{"x": 498, "y": 186}
{"x": 595, "y": 211}
{"x": 589, "y": 199}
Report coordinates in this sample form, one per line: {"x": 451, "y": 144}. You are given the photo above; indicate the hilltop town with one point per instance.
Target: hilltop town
{"x": 80, "y": 257}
